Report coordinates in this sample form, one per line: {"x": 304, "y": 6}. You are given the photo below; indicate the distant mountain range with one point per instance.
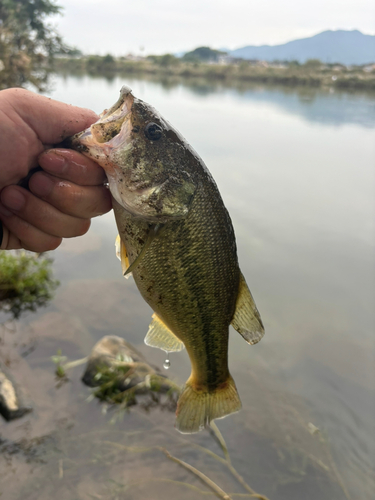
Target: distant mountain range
{"x": 345, "y": 47}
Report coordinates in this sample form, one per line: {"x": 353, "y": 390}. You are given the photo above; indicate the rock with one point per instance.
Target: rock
{"x": 113, "y": 355}
{"x": 12, "y": 399}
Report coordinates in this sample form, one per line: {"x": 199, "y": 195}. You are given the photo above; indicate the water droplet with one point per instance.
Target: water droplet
{"x": 167, "y": 363}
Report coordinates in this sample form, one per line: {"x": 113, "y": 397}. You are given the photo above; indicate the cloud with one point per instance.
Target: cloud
{"x": 160, "y": 26}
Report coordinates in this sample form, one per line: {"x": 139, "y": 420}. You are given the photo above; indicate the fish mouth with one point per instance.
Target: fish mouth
{"x": 112, "y": 130}
{"x": 108, "y": 138}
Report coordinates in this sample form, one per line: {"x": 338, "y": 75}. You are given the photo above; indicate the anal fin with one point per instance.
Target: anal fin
{"x": 159, "y": 335}
{"x": 122, "y": 255}
{"x": 246, "y": 319}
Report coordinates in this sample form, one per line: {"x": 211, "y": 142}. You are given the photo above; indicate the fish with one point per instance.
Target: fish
{"x": 177, "y": 241}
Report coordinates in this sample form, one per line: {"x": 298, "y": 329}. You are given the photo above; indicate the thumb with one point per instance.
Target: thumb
{"x": 51, "y": 120}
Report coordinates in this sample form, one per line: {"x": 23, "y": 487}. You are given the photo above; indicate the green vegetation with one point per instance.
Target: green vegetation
{"x": 27, "y": 43}
{"x": 59, "y": 361}
{"x": 26, "y": 282}
{"x": 98, "y": 64}
{"x": 203, "y": 54}
{"x": 311, "y": 74}
{"x": 120, "y": 385}
{"x": 165, "y": 61}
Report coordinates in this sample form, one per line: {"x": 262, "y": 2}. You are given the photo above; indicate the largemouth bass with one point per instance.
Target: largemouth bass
{"x": 177, "y": 239}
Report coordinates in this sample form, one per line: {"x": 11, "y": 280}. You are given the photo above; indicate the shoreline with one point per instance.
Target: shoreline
{"x": 316, "y": 76}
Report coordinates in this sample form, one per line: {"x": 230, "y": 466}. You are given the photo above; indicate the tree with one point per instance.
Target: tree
{"x": 313, "y": 63}
{"x": 27, "y": 43}
{"x": 165, "y": 60}
{"x": 205, "y": 54}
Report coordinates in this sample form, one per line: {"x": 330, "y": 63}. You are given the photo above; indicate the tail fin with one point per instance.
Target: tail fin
{"x": 196, "y": 408}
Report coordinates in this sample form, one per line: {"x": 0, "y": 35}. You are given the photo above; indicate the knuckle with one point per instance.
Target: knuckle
{"x": 77, "y": 196}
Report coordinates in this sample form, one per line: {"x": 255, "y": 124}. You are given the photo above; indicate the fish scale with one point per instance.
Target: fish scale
{"x": 177, "y": 240}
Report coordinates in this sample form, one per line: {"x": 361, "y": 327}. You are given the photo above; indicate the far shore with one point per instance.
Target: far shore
{"x": 312, "y": 74}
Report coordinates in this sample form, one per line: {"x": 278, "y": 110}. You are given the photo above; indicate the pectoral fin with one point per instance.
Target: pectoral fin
{"x": 122, "y": 255}
{"x": 159, "y": 335}
{"x": 246, "y": 319}
{"x": 153, "y": 232}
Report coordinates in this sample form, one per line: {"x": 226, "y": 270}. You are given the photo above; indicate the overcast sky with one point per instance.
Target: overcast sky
{"x": 160, "y": 26}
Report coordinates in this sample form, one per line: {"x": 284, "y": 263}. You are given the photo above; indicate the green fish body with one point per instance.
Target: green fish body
{"x": 177, "y": 240}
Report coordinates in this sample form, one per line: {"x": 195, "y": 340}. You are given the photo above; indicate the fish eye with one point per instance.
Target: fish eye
{"x": 153, "y": 131}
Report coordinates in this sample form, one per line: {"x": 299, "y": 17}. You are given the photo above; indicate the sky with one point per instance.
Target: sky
{"x": 147, "y": 27}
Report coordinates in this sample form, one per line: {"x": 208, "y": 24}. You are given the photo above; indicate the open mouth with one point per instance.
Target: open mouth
{"x": 111, "y": 130}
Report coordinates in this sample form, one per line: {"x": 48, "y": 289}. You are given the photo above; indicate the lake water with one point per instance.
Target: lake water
{"x": 296, "y": 171}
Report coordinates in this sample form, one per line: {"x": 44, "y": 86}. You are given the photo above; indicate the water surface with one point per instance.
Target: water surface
{"x": 296, "y": 172}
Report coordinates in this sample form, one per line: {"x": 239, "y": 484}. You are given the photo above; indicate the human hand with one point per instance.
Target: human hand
{"x": 66, "y": 194}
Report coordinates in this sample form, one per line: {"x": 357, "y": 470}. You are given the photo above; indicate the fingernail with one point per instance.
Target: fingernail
{"x": 13, "y": 199}
{"x": 53, "y": 161}
{"x": 41, "y": 185}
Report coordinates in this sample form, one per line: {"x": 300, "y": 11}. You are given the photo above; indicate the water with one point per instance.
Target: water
{"x": 296, "y": 172}
{"x": 167, "y": 363}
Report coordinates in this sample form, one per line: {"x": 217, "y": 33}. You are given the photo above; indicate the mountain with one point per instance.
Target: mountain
{"x": 345, "y": 47}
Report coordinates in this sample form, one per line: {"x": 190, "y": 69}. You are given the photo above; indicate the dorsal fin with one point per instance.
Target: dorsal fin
{"x": 122, "y": 255}
{"x": 159, "y": 335}
{"x": 246, "y": 319}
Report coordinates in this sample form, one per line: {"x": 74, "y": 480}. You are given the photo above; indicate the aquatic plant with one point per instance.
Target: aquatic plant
{"x": 118, "y": 384}
{"x": 26, "y": 282}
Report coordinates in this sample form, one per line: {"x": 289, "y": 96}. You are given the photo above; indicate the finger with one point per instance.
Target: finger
{"x": 8, "y": 240}
{"x": 72, "y": 199}
{"x": 52, "y": 120}
{"x": 72, "y": 166}
{"x": 18, "y": 233}
{"x": 41, "y": 214}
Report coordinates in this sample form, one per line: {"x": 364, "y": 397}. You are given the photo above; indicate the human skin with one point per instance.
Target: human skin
{"x": 68, "y": 191}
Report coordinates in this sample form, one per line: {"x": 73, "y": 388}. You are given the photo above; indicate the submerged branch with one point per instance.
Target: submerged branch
{"x": 219, "y": 437}
{"x": 172, "y": 481}
{"x": 214, "y": 487}
{"x": 214, "y": 430}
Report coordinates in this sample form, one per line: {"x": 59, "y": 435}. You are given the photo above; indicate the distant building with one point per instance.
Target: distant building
{"x": 132, "y": 57}
{"x": 369, "y": 68}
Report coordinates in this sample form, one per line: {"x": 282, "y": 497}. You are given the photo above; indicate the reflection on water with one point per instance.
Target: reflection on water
{"x": 296, "y": 173}
{"x": 329, "y": 106}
